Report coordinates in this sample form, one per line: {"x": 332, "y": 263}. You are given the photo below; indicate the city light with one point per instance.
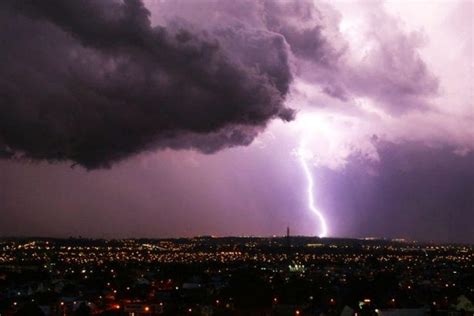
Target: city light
{"x": 265, "y": 253}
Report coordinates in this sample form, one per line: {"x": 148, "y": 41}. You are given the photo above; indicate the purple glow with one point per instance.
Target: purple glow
{"x": 181, "y": 118}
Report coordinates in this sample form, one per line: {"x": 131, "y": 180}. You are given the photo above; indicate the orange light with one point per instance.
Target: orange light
{"x": 147, "y": 309}
{"x": 297, "y": 312}
{"x": 117, "y": 306}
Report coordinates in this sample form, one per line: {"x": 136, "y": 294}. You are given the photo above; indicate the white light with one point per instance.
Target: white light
{"x": 303, "y": 156}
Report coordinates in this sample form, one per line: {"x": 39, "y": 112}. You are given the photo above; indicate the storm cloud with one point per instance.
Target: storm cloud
{"x": 93, "y": 82}
{"x": 382, "y": 90}
{"x": 413, "y": 191}
{"x": 378, "y": 59}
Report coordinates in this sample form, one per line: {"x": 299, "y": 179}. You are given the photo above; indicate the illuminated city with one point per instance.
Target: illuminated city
{"x": 234, "y": 276}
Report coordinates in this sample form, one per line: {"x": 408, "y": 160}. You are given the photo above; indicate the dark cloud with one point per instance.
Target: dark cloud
{"x": 302, "y": 25}
{"x": 93, "y": 82}
{"x": 414, "y": 191}
{"x": 97, "y": 81}
{"x": 309, "y": 33}
{"x": 387, "y": 68}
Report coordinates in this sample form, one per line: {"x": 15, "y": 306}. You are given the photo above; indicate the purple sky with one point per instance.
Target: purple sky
{"x": 183, "y": 118}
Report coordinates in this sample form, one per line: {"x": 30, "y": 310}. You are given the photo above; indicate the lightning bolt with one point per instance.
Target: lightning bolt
{"x": 303, "y": 155}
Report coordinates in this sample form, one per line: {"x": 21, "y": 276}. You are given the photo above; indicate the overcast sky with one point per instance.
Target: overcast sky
{"x": 183, "y": 118}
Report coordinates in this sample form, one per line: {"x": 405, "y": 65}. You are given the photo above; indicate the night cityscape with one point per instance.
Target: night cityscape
{"x": 237, "y": 157}
{"x": 235, "y": 276}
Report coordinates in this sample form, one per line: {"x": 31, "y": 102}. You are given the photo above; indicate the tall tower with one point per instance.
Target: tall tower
{"x": 289, "y": 259}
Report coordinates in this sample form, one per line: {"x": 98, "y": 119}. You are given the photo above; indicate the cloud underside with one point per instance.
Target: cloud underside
{"x": 414, "y": 191}
{"x": 94, "y": 82}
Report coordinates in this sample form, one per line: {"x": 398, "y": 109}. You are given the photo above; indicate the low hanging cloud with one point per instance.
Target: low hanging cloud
{"x": 414, "y": 191}
{"x": 93, "y": 82}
